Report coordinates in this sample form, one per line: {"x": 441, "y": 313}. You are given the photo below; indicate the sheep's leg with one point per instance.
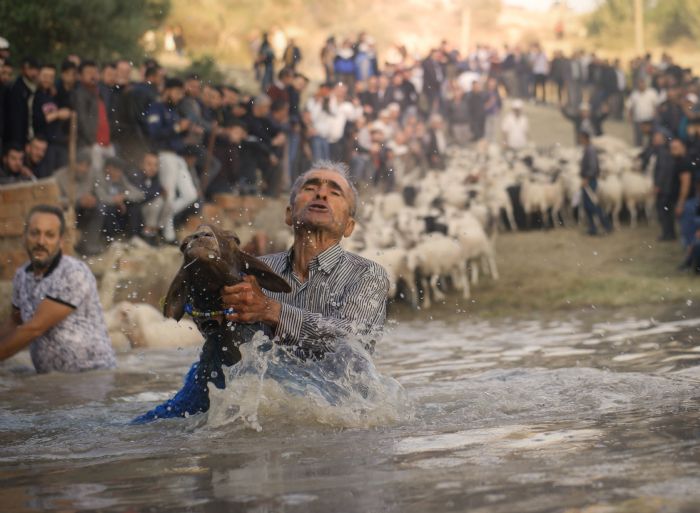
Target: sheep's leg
{"x": 434, "y": 279}
{"x": 632, "y": 207}
{"x": 426, "y": 293}
{"x": 475, "y": 271}
{"x": 511, "y": 218}
{"x": 466, "y": 291}
{"x": 491, "y": 259}
{"x": 649, "y": 209}
{"x": 616, "y": 215}
{"x": 413, "y": 291}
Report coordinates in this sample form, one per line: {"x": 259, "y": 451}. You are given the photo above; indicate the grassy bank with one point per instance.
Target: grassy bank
{"x": 564, "y": 269}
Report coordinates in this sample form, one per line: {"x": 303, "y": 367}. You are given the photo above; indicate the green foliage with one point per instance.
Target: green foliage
{"x": 98, "y": 29}
{"x": 206, "y": 69}
{"x": 670, "y": 20}
{"x": 677, "y": 19}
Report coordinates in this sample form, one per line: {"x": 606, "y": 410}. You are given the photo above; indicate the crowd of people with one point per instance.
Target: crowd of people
{"x": 151, "y": 150}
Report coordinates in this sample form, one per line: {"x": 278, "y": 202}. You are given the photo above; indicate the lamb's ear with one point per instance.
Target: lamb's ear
{"x": 175, "y": 299}
{"x": 267, "y": 278}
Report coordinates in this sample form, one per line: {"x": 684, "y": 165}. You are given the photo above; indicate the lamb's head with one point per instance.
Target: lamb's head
{"x": 212, "y": 258}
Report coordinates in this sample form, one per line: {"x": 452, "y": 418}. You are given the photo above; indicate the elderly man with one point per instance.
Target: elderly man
{"x": 55, "y": 305}
{"x": 335, "y": 294}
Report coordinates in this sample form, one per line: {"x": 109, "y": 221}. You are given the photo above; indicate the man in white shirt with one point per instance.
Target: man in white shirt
{"x": 641, "y": 106}
{"x": 515, "y": 127}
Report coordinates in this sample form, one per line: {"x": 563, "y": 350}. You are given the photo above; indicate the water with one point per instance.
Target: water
{"x": 592, "y": 412}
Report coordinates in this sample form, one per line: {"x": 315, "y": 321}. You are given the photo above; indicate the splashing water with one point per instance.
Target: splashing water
{"x": 344, "y": 389}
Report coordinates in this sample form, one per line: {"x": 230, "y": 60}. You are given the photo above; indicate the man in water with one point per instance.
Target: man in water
{"x": 335, "y": 293}
{"x": 55, "y": 306}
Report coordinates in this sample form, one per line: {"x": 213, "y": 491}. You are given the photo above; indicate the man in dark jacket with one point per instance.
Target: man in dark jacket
{"x": 35, "y": 157}
{"x": 590, "y": 170}
{"x": 50, "y": 120}
{"x": 18, "y": 104}
{"x": 93, "y": 120}
{"x": 672, "y": 179}
{"x": 586, "y": 120}
{"x": 167, "y": 130}
{"x": 13, "y": 169}
{"x": 433, "y": 76}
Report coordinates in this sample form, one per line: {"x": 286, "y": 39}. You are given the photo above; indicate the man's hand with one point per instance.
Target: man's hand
{"x": 279, "y": 139}
{"x": 250, "y": 303}
{"x": 87, "y": 201}
{"x": 26, "y": 172}
{"x": 679, "y": 209}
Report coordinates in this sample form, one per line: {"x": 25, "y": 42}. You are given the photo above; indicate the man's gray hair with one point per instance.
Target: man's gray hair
{"x": 327, "y": 165}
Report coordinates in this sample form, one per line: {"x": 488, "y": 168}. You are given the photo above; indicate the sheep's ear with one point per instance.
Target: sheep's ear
{"x": 175, "y": 299}
{"x": 267, "y": 278}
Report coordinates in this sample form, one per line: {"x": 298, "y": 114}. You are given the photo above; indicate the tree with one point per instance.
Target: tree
{"x": 677, "y": 19}
{"x": 672, "y": 19}
{"x": 98, "y": 29}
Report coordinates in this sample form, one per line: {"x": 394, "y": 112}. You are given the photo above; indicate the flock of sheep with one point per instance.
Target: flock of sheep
{"x": 440, "y": 230}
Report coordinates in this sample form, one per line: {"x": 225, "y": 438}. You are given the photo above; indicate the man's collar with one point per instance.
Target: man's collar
{"x": 326, "y": 261}
{"x": 56, "y": 260}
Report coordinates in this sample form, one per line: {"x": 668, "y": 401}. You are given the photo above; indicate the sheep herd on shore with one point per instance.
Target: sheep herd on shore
{"x": 439, "y": 230}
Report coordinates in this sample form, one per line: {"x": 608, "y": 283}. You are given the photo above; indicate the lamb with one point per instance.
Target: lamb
{"x": 610, "y": 197}
{"x": 474, "y": 242}
{"x": 437, "y": 256}
{"x": 395, "y": 262}
{"x": 140, "y": 325}
{"x": 637, "y": 190}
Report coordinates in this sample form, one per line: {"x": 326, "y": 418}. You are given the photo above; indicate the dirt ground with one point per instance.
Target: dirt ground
{"x": 564, "y": 269}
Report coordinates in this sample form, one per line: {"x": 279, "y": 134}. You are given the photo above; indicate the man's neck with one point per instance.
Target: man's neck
{"x": 308, "y": 244}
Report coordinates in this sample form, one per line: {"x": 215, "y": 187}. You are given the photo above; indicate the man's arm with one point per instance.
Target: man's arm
{"x": 14, "y": 320}
{"x": 47, "y": 315}
{"x": 685, "y": 179}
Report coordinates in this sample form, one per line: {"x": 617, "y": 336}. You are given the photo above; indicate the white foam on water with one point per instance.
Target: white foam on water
{"x": 344, "y": 389}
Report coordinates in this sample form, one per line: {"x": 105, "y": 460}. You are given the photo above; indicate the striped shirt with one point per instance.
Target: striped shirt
{"x": 344, "y": 294}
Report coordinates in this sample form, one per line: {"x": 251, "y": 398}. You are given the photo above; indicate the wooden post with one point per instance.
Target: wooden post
{"x": 70, "y": 215}
{"x": 209, "y": 155}
{"x": 72, "y": 158}
{"x": 639, "y": 27}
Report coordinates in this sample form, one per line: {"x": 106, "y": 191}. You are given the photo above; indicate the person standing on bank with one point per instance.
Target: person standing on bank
{"x": 56, "y": 309}
{"x": 590, "y": 170}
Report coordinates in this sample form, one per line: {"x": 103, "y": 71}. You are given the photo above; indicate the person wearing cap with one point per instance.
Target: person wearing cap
{"x": 167, "y": 130}
{"x": 19, "y": 127}
{"x": 82, "y": 187}
{"x": 119, "y": 200}
{"x": 92, "y": 114}
{"x": 515, "y": 127}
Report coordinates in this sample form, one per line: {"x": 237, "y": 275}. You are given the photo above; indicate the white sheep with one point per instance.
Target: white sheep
{"x": 438, "y": 256}
{"x": 637, "y": 191}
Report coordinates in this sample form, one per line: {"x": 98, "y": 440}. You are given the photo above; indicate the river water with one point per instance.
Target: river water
{"x": 589, "y": 411}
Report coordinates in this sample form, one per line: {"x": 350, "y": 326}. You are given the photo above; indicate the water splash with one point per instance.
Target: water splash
{"x": 344, "y": 389}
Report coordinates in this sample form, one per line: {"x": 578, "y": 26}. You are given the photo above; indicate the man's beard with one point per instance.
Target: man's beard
{"x": 42, "y": 262}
